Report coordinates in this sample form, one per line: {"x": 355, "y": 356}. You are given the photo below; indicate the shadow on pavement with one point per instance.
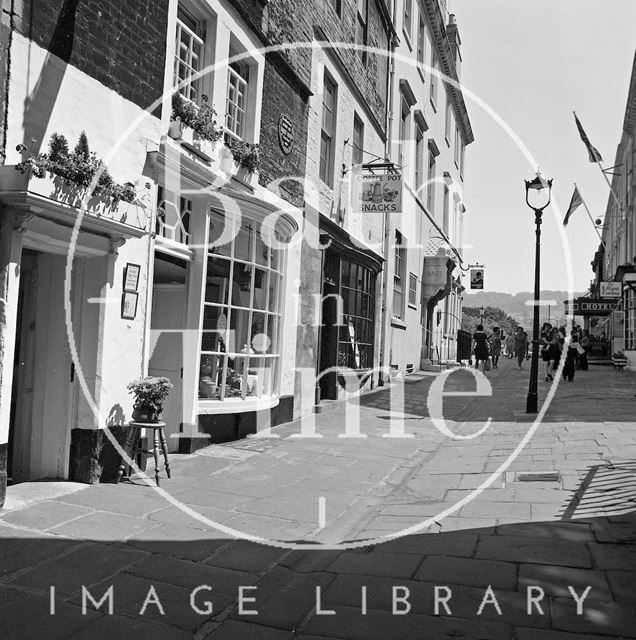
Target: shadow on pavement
{"x": 196, "y": 584}
{"x": 608, "y": 488}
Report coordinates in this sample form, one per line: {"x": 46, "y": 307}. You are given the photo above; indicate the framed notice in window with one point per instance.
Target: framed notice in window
{"x": 129, "y": 305}
{"x": 131, "y": 277}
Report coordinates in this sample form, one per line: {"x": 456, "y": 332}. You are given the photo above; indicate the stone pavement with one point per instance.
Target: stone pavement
{"x": 547, "y": 523}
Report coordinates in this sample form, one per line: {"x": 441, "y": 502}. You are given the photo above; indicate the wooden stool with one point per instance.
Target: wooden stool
{"x": 159, "y": 438}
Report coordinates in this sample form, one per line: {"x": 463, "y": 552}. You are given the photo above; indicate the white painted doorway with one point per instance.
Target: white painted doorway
{"x": 42, "y": 389}
{"x": 166, "y": 358}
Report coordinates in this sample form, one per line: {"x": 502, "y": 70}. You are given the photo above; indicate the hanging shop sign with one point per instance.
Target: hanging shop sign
{"x": 435, "y": 275}
{"x": 378, "y": 193}
{"x": 611, "y": 290}
{"x": 477, "y": 278}
{"x": 589, "y": 306}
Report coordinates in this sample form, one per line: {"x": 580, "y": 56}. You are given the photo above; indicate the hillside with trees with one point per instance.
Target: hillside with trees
{"x": 493, "y": 317}
{"x": 514, "y": 304}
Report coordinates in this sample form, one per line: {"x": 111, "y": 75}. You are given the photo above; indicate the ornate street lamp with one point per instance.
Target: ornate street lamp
{"x": 539, "y": 183}
{"x": 481, "y": 314}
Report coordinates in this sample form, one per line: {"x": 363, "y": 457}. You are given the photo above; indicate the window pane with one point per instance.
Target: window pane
{"x": 214, "y": 328}
{"x": 272, "y": 334}
{"x": 260, "y": 288}
{"x": 274, "y": 254}
{"x": 218, "y": 280}
{"x": 239, "y": 331}
{"x": 262, "y": 372}
{"x": 236, "y": 370}
{"x": 257, "y": 333}
{"x": 274, "y": 287}
{"x": 244, "y": 242}
{"x": 210, "y": 376}
{"x": 242, "y": 285}
{"x": 262, "y": 248}
{"x": 220, "y": 238}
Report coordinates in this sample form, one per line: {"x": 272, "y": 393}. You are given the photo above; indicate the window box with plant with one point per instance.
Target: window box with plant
{"x": 80, "y": 179}
{"x": 195, "y": 125}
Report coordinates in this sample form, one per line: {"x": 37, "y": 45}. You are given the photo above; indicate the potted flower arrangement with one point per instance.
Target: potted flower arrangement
{"x": 246, "y": 154}
{"x": 150, "y": 393}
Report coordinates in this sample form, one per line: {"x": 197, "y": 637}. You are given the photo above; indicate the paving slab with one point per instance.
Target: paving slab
{"x": 524, "y": 549}
{"x": 468, "y": 572}
{"x": 44, "y": 515}
{"x": 30, "y": 617}
{"x": 80, "y": 566}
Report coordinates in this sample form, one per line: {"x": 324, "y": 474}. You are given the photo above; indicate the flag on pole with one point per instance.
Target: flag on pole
{"x": 575, "y": 203}
{"x": 595, "y": 156}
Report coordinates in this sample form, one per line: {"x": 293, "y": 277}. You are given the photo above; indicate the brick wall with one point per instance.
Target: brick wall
{"x": 119, "y": 43}
{"x": 291, "y": 21}
{"x": 283, "y": 94}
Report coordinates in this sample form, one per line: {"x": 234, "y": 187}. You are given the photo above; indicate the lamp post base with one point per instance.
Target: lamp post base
{"x": 532, "y": 403}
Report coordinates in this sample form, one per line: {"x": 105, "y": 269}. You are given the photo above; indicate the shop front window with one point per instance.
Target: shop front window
{"x": 355, "y": 344}
{"x": 241, "y": 314}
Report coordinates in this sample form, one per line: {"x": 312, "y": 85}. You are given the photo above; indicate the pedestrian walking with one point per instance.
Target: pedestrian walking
{"x": 570, "y": 356}
{"x": 480, "y": 347}
{"x": 510, "y": 345}
{"x": 521, "y": 345}
{"x": 552, "y": 353}
{"x": 545, "y": 351}
{"x": 585, "y": 344}
{"x": 495, "y": 346}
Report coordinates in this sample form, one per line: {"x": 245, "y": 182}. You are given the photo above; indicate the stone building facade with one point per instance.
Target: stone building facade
{"x": 615, "y": 259}
{"x": 223, "y": 248}
{"x": 73, "y": 70}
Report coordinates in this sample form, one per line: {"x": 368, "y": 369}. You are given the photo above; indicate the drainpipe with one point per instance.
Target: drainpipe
{"x": 385, "y": 216}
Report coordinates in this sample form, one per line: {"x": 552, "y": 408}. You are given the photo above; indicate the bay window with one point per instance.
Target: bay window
{"x": 240, "y": 347}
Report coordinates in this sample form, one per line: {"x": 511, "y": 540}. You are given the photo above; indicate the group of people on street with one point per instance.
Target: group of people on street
{"x": 551, "y": 345}
{"x": 553, "y": 348}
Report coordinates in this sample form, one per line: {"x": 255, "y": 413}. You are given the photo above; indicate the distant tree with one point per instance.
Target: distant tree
{"x": 493, "y": 317}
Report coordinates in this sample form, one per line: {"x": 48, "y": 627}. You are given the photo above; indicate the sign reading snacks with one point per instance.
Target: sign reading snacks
{"x": 377, "y": 193}
{"x": 476, "y": 278}
{"x": 611, "y": 290}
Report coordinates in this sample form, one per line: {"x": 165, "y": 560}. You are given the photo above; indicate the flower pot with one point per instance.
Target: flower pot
{"x": 175, "y": 129}
{"x": 145, "y": 414}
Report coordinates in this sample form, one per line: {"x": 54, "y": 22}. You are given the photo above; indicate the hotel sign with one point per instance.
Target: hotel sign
{"x": 589, "y": 306}
{"x": 377, "y": 193}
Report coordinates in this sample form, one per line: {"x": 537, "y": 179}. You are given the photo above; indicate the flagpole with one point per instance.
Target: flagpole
{"x": 609, "y": 184}
{"x": 590, "y": 215}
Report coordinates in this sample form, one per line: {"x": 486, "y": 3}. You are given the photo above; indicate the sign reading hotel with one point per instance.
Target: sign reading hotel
{"x": 589, "y": 306}
{"x": 378, "y": 193}
{"x": 611, "y": 290}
